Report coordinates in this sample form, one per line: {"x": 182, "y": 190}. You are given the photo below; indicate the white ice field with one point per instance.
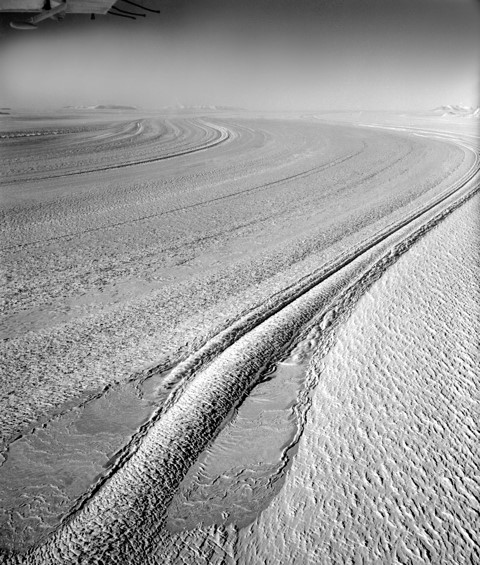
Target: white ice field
{"x": 239, "y": 339}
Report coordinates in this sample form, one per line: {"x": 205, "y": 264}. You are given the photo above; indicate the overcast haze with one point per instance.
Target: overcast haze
{"x": 256, "y": 54}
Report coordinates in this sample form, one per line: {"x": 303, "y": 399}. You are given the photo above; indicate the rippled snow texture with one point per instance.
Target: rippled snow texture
{"x": 388, "y": 466}
{"x": 386, "y": 470}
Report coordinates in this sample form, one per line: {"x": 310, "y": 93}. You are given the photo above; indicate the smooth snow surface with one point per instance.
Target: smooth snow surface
{"x": 172, "y": 287}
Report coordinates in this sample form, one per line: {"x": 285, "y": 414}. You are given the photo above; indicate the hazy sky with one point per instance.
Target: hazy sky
{"x": 278, "y": 54}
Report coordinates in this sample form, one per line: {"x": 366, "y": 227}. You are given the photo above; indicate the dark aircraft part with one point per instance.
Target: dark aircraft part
{"x": 141, "y": 7}
{"x": 46, "y": 14}
{"x": 121, "y": 15}
{"x": 128, "y": 13}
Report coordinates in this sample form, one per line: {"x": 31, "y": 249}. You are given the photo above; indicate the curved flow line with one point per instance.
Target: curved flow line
{"x": 302, "y": 174}
{"x": 224, "y": 135}
{"x": 135, "y": 478}
{"x": 303, "y": 285}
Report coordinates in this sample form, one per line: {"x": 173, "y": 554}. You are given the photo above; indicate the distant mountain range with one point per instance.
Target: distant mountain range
{"x": 103, "y": 107}
{"x": 204, "y": 107}
{"x": 114, "y": 107}
{"x": 457, "y": 110}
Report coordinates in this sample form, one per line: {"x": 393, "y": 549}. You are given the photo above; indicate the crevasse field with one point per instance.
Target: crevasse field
{"x": 239, "y": 338}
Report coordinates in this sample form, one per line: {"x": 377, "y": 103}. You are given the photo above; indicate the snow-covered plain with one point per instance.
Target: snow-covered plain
{"x": 156, "y": 268}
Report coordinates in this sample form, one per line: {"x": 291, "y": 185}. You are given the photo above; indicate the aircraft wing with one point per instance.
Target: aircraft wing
{"x": 32, "y": 12}
{"x": 72, "y": 6}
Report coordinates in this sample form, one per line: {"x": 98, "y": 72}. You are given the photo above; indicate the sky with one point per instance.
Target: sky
{"x": 259, "y": 54}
